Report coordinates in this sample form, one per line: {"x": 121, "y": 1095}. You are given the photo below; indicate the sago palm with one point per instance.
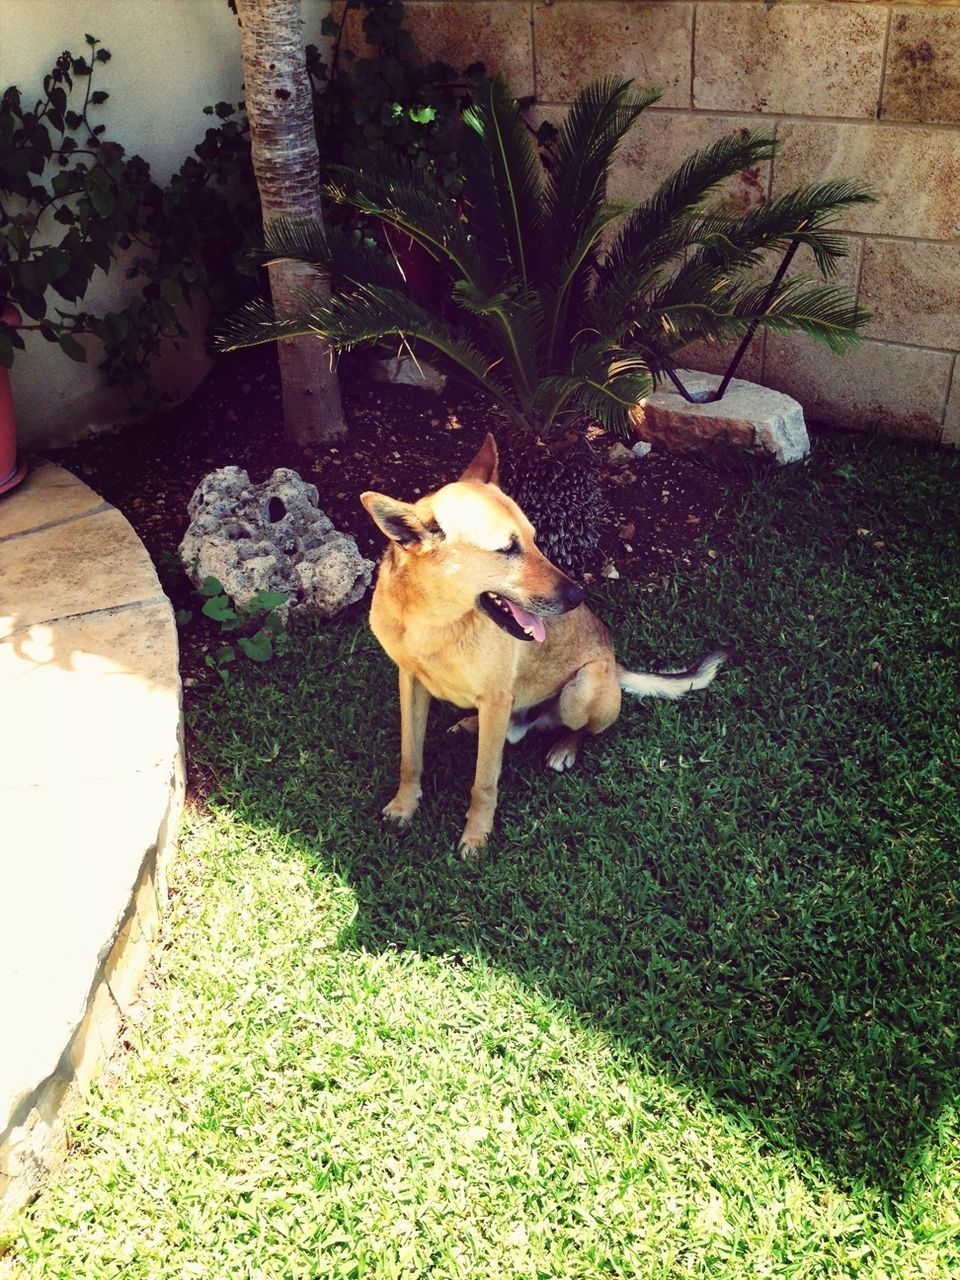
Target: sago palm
{"x": 559, "y": 305}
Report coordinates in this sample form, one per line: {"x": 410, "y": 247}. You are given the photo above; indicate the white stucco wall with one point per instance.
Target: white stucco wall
{"x": 170, "y": 59}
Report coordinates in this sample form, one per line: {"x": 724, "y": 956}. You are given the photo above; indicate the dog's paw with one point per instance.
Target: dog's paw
{"x": 471, "y": 843}
{"x": 401, "y": 809}
{"x": 563, "y": 754}
{"x": 469, "y": 724}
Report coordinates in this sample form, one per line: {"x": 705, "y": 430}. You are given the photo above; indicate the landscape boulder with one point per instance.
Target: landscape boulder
{"x": 756, "y": 419}
{"x": 274, "y": 537}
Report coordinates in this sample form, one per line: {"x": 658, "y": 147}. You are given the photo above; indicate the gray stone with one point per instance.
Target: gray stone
{"x": 271, "y": 537}
{"x": 404, "y": 371}
{"x": 756, "y": 419}
{"x": 641, "y": 449}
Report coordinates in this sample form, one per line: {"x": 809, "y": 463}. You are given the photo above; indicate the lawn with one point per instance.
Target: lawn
{"x": 693, "y": 1013}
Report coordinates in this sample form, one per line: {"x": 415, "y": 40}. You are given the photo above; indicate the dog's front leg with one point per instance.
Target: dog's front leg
{"x": 493, "y": 715}
{"x": 414, "y": 707}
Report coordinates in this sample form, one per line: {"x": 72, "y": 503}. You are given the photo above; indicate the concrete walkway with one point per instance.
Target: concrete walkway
{"x": 91, "y": 785}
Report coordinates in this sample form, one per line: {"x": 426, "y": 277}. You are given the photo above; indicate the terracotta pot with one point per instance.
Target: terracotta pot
{"x": 423, "y": 277}
{"x": 11, "y": 472}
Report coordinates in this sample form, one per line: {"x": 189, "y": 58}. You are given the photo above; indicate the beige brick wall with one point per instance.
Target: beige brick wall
{"x": 861, "y": 88}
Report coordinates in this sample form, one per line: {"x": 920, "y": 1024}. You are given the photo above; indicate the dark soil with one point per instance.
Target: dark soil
{"x": 663, "y": 510}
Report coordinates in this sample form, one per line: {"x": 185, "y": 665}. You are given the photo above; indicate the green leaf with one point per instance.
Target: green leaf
{"x": 210, "y": 587}
{"x": 100, "y": 252}
{"x": 259, "y": 647}
{"x": 220, "y": 610}
{"x": 72, "y": 285}
{"x": 72, "y": 348}
{"x": 57, "y": 262}
{"x": 31, "y": 304}
{"x": 102, "y": 200}
{"x": 183, "y": 617}
{"x": 266, "y": 600}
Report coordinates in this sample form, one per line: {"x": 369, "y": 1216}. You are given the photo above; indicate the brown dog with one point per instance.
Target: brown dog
{"x": 471, "y": 612}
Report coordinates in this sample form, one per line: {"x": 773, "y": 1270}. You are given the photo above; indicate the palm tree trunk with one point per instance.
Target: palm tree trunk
{"x": 287, "y": 167}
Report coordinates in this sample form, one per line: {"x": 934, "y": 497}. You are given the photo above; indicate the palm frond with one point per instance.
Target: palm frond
{"x": 360, "y": 260}
{"x": 504, "y": 182}
{"x": 370, "y": 314}
{"x": 570, "y": 286}
{"x": 423, "y": 211}
{"x": 826, "y": 312}
{"x": 613, "y": 304}
{"x": 302, "y": 239}
{"x": 341, "y": 253}
{"x": 575, "y": 208}
{"x": 801, "y": 214}
{"x": 255, "y": 324}
{"x": 598, "y": 387}
{"x": 686, "y": 312}
{"x": 514, "y": 323}
{"x": 580, "y": 158}
{"x": 602, "y": 382}
{"x": 653, "y": 232}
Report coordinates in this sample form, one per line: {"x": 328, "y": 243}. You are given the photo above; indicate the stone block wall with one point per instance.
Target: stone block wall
{"x": 867, "y": 90}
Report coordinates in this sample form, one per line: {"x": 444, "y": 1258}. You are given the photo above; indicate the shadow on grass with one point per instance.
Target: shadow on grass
{"x": 753, "y": 889}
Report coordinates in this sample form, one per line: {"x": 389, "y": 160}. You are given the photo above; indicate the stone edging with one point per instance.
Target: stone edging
{"x": 91, "y": 789}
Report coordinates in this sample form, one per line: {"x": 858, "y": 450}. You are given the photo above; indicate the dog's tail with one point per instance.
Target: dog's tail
{"x": 672, "y": 684}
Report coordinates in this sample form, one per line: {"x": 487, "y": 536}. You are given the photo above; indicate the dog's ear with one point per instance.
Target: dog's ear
{"x": 485, "y": 465}
{"x": 398, "y": 520}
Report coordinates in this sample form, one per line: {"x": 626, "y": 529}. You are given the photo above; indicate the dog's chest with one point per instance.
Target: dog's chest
{"x": 447, "y": 661}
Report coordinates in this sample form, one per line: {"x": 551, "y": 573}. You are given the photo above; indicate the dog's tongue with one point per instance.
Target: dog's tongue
{"x": 529, "y": 622}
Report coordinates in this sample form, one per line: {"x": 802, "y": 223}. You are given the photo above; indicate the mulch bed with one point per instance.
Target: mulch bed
{"x": 402, "y": 441}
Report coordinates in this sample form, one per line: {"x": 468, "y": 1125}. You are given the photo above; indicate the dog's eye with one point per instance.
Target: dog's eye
{"x": 512, "y": 548}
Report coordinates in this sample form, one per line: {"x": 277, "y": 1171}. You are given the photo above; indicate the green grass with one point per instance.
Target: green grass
{"x": 694, "y": 1012}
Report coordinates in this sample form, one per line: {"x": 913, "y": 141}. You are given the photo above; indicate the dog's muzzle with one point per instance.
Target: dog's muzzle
{"x": 527, "y": 624}
{"x": 567, "y": 598}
